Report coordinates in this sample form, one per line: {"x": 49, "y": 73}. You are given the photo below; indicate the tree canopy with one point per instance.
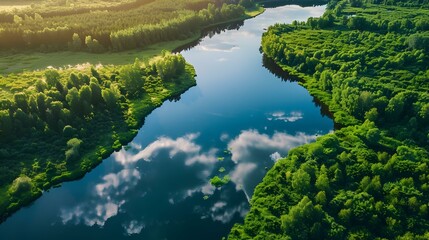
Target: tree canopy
{"x": 367, "y": 61}
{"x": 57, "y": 124}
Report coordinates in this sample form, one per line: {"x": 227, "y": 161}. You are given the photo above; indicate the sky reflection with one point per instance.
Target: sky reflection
{"x": 183, "y": 144}
{"x": 94, "y": 213}
{"x": 151, "y": 174}
{"x": 218, "y": 47}
{"x": 282, "y": 116}
{"x": 133, "y": 227}
{"x": 144, "y": 170}
{"x": 254, "y": 152}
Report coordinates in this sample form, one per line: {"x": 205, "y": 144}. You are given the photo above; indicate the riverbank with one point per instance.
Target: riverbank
{"x": 66, "y": 60}
{"x": 368, "y": 179}
{"x": 154, "y": 187}
{"x": 105, "y": 131}
{"x": 32, "y": 60}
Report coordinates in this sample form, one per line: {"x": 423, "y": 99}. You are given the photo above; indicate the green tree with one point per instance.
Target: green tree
{"x": 373, "y": 135}
{"x": 95, "y": 92}
{"x": 419, "y": 41}
{"x": 424, "y": 112}
{"x": 301, "y": 181}
{"x": 170, "y": 65}
{"x": 395, "y": 108}
{"x": 41, "y": 85}
{"x": 54, "y": 113}
{"x": 372, "y": 114}
{"x": 85, "y": 99}
{"x": 6, "y": 124}
{"x": 322, "y": 182}
{"x": 17, "y": 19}
{"x": 132, "y": 80}
{"x": 41, "y": 104}
{"x": 109, "y": 98}
{"x": 93, "y": 45}
{"x": 21, "y": 186}
{"x": 326, "y": 79}
{"x": 21, "y": 101}
{"x": 321, "y": 197}
{"x": 76, "y": 43}
{"x": 73, "y": 147}
{"x": 73, "y": 100}
{"x": 73, "y": 81}
{"x": 52, "y": 77}
{"x": 303, "y": 220}
{"x": 69, "y": 131}
{"x": 358, "y": 23}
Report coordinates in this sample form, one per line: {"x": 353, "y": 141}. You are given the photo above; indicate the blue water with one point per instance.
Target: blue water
{"x": 158, "y": 186}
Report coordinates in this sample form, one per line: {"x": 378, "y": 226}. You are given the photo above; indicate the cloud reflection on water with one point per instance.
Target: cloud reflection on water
{"x": 281, "y": 116}
{"x": 127, "y": 178}
{"x": 220, "y": 211}
{"x": 254, "y": 152}
{"x": 250, "y": 144}
{"x": 218, "y": 47}
{"x": 275, "y": 156}
{"x": 185, "y": 144}
{"x": 154, "y": 170}
{"x": 133, "y": 227}
{"x": 92, "y": 213}
{"x": 185, "y": 159}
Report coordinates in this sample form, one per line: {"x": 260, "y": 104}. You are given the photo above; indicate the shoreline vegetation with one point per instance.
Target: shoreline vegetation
{"x": 27, "y": 60}
{"x": 71, "y": 121}
{"x": 59, "y": 115}
{"x": 101, "y": 31}
{"x": 366, "y": 61}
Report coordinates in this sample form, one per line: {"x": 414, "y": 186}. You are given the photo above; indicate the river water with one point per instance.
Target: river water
{"x": 237, "y": 121}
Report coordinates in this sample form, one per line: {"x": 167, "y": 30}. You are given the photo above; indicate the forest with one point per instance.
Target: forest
{"x": 98, "y": 28}
{"x": 368, "y": 62}
{"x": 62, "y": 123}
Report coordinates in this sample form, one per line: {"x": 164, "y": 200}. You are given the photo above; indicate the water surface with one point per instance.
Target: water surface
{"x": 237, "y": 121}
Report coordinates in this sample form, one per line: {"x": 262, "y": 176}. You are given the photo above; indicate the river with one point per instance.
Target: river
{"x": 237, "y": 121}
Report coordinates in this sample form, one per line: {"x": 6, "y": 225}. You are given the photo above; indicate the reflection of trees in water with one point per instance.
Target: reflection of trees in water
{"x": 210, "y": 32}
{"x": 301, "y": 3}
{"x": 175, "y": 98}
{"x": 275, "y": 69}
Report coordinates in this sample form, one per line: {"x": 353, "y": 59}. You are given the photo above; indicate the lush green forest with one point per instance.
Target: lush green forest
{"x": 368, "y": 62}
{"x": 98, "y": 28}
{"x": 55, "y": 125}
{"x": 58, "y": 123}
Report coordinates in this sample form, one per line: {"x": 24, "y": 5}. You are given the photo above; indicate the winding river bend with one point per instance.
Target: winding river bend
{"x": 237, "y": 121}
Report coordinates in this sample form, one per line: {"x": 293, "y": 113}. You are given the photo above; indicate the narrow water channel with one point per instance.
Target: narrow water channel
{"x": 237, "y": 121}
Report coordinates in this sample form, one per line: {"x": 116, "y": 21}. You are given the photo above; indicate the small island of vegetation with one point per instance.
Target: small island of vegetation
{"x": 368, "y": 62}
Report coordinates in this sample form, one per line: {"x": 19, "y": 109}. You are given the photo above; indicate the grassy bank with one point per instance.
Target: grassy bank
{"x": 11, "y": 62}
{"x": 32, "y": 60}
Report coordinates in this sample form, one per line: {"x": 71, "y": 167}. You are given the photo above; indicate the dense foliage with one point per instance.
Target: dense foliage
{"x": 135, "y": 24}
{"x": 368, "y": 62}
{"x": 57, "y": 124}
